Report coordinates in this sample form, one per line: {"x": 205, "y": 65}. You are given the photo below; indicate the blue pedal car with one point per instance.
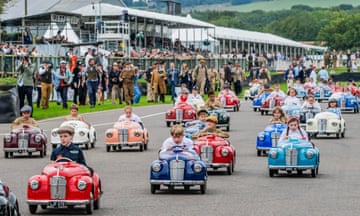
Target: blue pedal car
{"x": 346, "y": 101}
{"x": 269, "y": 138}
{"x": 301, "y": 92}
{"x": 294, "y": 155}
{"x": 323, "y": 93}
{"x": 178, "y": 168}
{"x": 256, "y": 104}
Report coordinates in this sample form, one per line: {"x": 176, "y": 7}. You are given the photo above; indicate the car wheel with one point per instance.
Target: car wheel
{"x": 246, "y": 98}
{"x": 203, "y": 188}
{"x": 313, "y": 173}
{"x": 299, "y": 172}
{"x": 338, "y": 135}
{"x": 153, "y": 188}
{"x": 42, "y": 152}
{"x": 267, "y": 112}
{"x": 271, "y": 172}
{"x": 30, "y": 154}
{"x": 255, "y": 109}
{"x": 108, "y": 148}
{"x": 229, "y": 169}
{"x": 97, "y": 202}
{"x": 114, "y": 147}
{"x": 234, "y": 109}
{"x": 343, "y": 134}
{"x": 141, "y": 147}
{"x": 258, "y": 152}
{"x": 262, "y": 112}
{"x": 87, "y": 146}
{"x": 94, "y": 141}
{"x": 43, "y": 207}
{"x": 228, "y": 128}
{"x": 187, "y": 187}
{"x": 6, "y": 154}
{"x": 16, "y": 211}
{"x": 168, "y": 124}
{"x": 90, "y": 206}
{"x": 32, "y": 209}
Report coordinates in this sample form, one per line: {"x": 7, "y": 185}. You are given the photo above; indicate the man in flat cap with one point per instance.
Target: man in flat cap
{"x": 158, "y": 78}
{"x": 200, "y": 76}
{"x": 127, "y": 77}
{"x": 45, "y": 72}
{"x": 211, "y": 122}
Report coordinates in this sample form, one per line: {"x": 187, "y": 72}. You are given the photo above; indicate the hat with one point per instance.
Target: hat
{"x": 74, "y": 106}
{"x": 293, "y": 118}
{"x": 45, "y": 61}
{"x": 332, "y": 100}
{"x": 62, "y": 62}
{"x": 202, "y": 111}
{"x": 66, "y": 129}
{"x": 212, "y": 119}
{"x": 202, "y": 61}
{"x": 26, "y": 108}
{"x": 184, "y": 91}
{"x": 195, "y": 88}
{"x": 115, "y": 64}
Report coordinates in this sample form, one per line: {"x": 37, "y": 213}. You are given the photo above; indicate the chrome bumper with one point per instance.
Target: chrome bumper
{"x": 124, "y": 144}
{"x": 292, "y": 167}
{"x": 20, "y": 150}
{"x": 184, "y": 182}
{"x": 64, "y": 202}
{"x": 217, "y": 165}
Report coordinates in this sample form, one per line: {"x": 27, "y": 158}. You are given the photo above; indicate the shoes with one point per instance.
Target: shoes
{"x": 92, "y": 106}
{"x": 58, "y": 103}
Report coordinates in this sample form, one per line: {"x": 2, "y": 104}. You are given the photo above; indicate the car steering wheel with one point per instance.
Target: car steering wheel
{"x": 63, "y": 159}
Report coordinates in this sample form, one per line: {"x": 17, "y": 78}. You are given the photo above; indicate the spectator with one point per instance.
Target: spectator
{"x": 114, "y": 84}
{"x": 65, "y": 79}
{"x": 127, "y": 76}
{"x": 27, "y": 36}
{"x": 323, "y": 74}
{"x": 173, "y": 79}
{"x": 200, "y": 76}
{"x": 92, "y": 81}
{"x": 45, "y": 72}
{"x": 25, "y": 83}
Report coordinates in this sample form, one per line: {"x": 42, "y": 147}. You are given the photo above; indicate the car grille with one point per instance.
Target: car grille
{"x": 123, "y": 135}
{"x": 223, "y": 101}
{"x": 275, "y": 136}
{"x": 179, "y": 115}
{"x": 206, "y": 154}
{"x": 58, "y": 187}
{"x": 272, "y": 104}
{"x": 322, "y": 93}
{"x": 322, "y": 125}
{"x": 23, "y": 140}
{"x": 177, "y": 168}
{"x": 309, "y": 115}
{"x": 291, "y": 156}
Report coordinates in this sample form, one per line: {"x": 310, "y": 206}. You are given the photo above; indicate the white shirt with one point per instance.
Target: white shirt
{"x": 133, "y": 117}
{"x": 195, "y": 100}
{"x": 227, "y": 92}
{"x": 292, "y": 101}
{"x": 313, "y": 76}
{"x": 169, "y": 142}
{"x": 277, "y": 93}
{"x": 315, "y": 105}
{"x": 296, "y": 133}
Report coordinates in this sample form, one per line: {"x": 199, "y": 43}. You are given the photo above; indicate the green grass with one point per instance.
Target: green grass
{"x": 276, "y": 5}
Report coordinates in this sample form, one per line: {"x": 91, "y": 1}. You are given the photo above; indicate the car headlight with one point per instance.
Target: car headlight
{"x": 224, "y": 152}
{"x": 309, "y": 154}
{"x": 37, "y": 138}
{"x": 82, "y": 133}
{"x": 261, "y": 137}
{"x": 225, "y": 117}
{"x": 168, "y": 113}
{"x": 109, "y": 135}
{"x": 189, "y": 113}
{"x": 156, "y": 167}
{"x": 81, "y": 185}
{"x": 34, "y": 184}
{"x": 334, "y": 124}
{"x": 197, "y": 168}
{"x": 7, "y": 138}
{"x": 137, "y": 133}
{"x": 273, "y": 154}
{"x": 54, "y": 133}
{"x": 309, "y": 123}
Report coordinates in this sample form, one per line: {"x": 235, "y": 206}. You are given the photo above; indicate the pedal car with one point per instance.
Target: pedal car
{"x": 347, "y": 102}
{"x": 306, "y": 114}
{"x": 252, "y": 91}
{"x": 64, "y": 184}
{"x": 9, "y": 204}
{"x": 259, "y": 100}
{"x": 269, "y": 138}
{"x": 326, "y": 123}
{"x": 178, "y": 168}
{"x": 222, "y": 116}
{"x": 230, "y": 102}
{"x": 25, "y": 139}
{"x": 180, "y": 114}
{"x": 294, "y": 155}
{"x": 216, "y": 152}
{"x": 291, "y": 110}
{"x": 126, "y": 134}
{"x": 269, "y": 103}
{"x": 301, "y": 92}
{"x": 322, "y": 93}
{"x": 83, "y": 136}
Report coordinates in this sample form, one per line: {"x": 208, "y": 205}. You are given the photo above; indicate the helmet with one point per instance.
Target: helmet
{"x": 26, "y": 108}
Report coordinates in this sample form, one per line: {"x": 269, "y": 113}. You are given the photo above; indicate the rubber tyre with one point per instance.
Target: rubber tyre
{"x": 43, "y": 207}
{"x": 343, "y": 134}
{"x": 108, "y": 148}
{"x": 228, "y": 128}
{"x": 153, "y": 188}
{"x": 262, "y": 112}
{"x": 6, "y": 154}
{"x": 313, "y": 173}
{"x": 87, "y": 146}
{"x": 255, "y": 109}
{"x": 30, "y": 154}
{"x": 230, "y": 168}
{"x": 258, "y": 153}
{"x": 168, "y": 124}
{"x": 271, "y": 173}
{"x": 42, "y": 152}
{"x": 114, "y": 147}
{"x": 267, "y": 112}
{"x": 299, "y": 172}
{"x": 141, "y": 147}
{"x": 90, "y": 206}
{"x": 203, "y": 188}
{"x": 97, "y": 203}
{"x": 32, "y": 209}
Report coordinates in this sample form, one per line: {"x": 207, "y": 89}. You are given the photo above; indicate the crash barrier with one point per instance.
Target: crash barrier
{"x": 9, "y": 104}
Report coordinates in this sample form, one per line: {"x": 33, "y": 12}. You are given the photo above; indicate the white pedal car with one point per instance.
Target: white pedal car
{"x": 326, "y": 123}
{"x": 84, "y": 135}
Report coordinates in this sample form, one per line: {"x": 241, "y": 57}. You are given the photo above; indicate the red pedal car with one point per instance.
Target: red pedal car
{"x": 64, "y": 184}
{"x": 269, "y": 104}
{"x": 230, "y": 102}
{"x": 25, "y": 139}
{"x": 216, "y": 152}
{"x": 180, "y": 114}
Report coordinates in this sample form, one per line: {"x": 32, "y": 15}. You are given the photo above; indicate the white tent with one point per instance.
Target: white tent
{"x": 51, "y": 30}
{"x": 70, "y": 34}
{"x": 195, "y": 37}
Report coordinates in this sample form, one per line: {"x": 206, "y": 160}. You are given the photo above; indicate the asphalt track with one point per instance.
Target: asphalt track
{"x": 249, "y": 191}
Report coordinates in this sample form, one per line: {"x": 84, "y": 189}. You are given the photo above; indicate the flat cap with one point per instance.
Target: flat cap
{"x": 66, "y": 129}
{"x": 212, "y": 119}
{"x": 26, "y": 108}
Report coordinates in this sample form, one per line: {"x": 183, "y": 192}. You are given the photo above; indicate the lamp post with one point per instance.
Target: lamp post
{"x": 23, "y": 19}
